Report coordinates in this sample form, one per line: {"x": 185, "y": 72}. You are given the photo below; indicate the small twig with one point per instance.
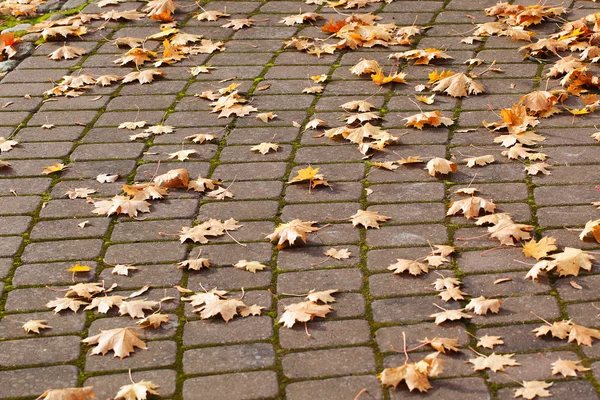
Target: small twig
{"x": 495, "y": 248}
{"x": 540, "y": 318}
{"x": 363, "y": 390}
{"x": 306, "y": 330}
{"x": 404, "y": 344}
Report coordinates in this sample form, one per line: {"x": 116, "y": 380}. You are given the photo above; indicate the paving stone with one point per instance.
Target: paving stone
{"x": 108, "y": 385}
{"x": 313, "y": 257}
{"x": 144, "y": 253}
{"x": 483, "y": 285}
{"x": 215, "y": 331}
{"x": 345, "y": 279}
{"x": 5, "y": 266}
{"x": 388, "y": 284}
{"x": 466, "y": 388}
{"x": 10, "y": 245}
{"x": 61, "y": 324}
{"x": 346, "y": 305}
{"x": 407, "y": 309}
{"x": 378, "y": 260}
{"x": 228, "y": 358}
{"x": 389, "y": 337}
{"x": 572, "y": 389}
{"x": 497, "y": 260}
{"x": 231, "y": 278}
{"x": 14, "y": 225}
{"x": 313, "y": 364}
{"x": 569, "y": 215}
{"x": 535, "y": 367}
{"x": 245, "y": 385}
{"x": 154, "y": 275}
{"x": 408, "y": 235}
{"x": 323, "y": 212}
{"x": 39, "y": 351}
{"x": 61, "y": 229}
{"x": 228, "y": 254}
{"x": 411, "y": 213}
{"x": 336, "y": 388}
{"x": 33, "y": 381}
{"x": 52, "y": 273}
{"x": 569, "y": 293}
{"x": 250, "y": 171}
{"x": 517, "y": 309}
{"x": 62, "y": 250}
{"x": 325, "y": 334}
{"x": 239, "y": 210}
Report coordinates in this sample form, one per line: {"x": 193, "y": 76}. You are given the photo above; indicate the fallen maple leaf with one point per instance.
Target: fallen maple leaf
{"x": 175, "y": 178}
{"x": 415, "y": 375}
{"x": 413, "y": 267}
{"x": 534, "y": 169}
{"x": 421, "y": 57}
{"x": 433, "y": 118}
{"x": 458, "y": 85}
{"x": 570, "y": 261}
{"x": 211, "y": 15}
{"x": 489, "y": 342}
{"x": 227, "y": 308}
{"x": 311, "y": 175}
{"x": 35, "y": 325}
{"x": 65, "y": 303}
{"x": 581, "y": 334}
{"x": 251, "y": 266}
{"x": 449, "y": 315}
{"x": 481, "y": 305}
{"x": 121, "y": 340}
{"x": 442, "y": 344}
{"x": 238, "y": 23}
{"x": 105, "y": 303}
{"x": 56, "y": 167}
{"x": 338, "y": 254}
{"x": 292, "y": 231}
{"x": 481, "y": 161}
{"x": 137, "y": 390}
{"x": 368, "y": 219}
{"x": 182, "y": 155}
{"x": 532, "y": 389}
{"x": 135, "y": 308}
{"x": 264, "y": 148}
{"x": 66, "y": 53}
{"x": 558, "y": 329}
{"x": 121, "y": 205}
{"x": 493, "y": 362}
{"x": 539, "y": 249}
{"x": 567, "y": 367}
{"x": 324, "y": 296}
{"x": 84, "y": 393}
{"x": 303, "y": 312}
{"x": 471, "y": 206}
{"x": 153, "y": 321}
{"x": 79, "y": 193}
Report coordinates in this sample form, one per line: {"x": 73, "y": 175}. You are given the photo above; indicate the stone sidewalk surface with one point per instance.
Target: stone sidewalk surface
{"x": 251, "y": 358}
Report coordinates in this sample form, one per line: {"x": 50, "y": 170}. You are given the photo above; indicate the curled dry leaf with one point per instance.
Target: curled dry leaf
{"x": 79, "y": 193}
{"x": 415, "y": 375}
{"x": 442, "y": 166}
{"x": 591, "y": 229}
{"x": 84, "y": 393}
{"x": 137, "y": 391}
{"x": 471, "y": 206}
{"x": 106, "y": 178}
{"x": 121, "y": 340}
{"x": 175, "y": 178}
{"x": 266, "y": 117}
{"x": 481, "y": 161}
{"x": 153, "y": 321}
{"x": 123, "y": 269}
{"x": 292, "y": 231}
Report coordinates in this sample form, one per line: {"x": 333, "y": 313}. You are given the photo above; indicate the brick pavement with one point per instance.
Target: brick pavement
{"x": 255, "y": 357}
